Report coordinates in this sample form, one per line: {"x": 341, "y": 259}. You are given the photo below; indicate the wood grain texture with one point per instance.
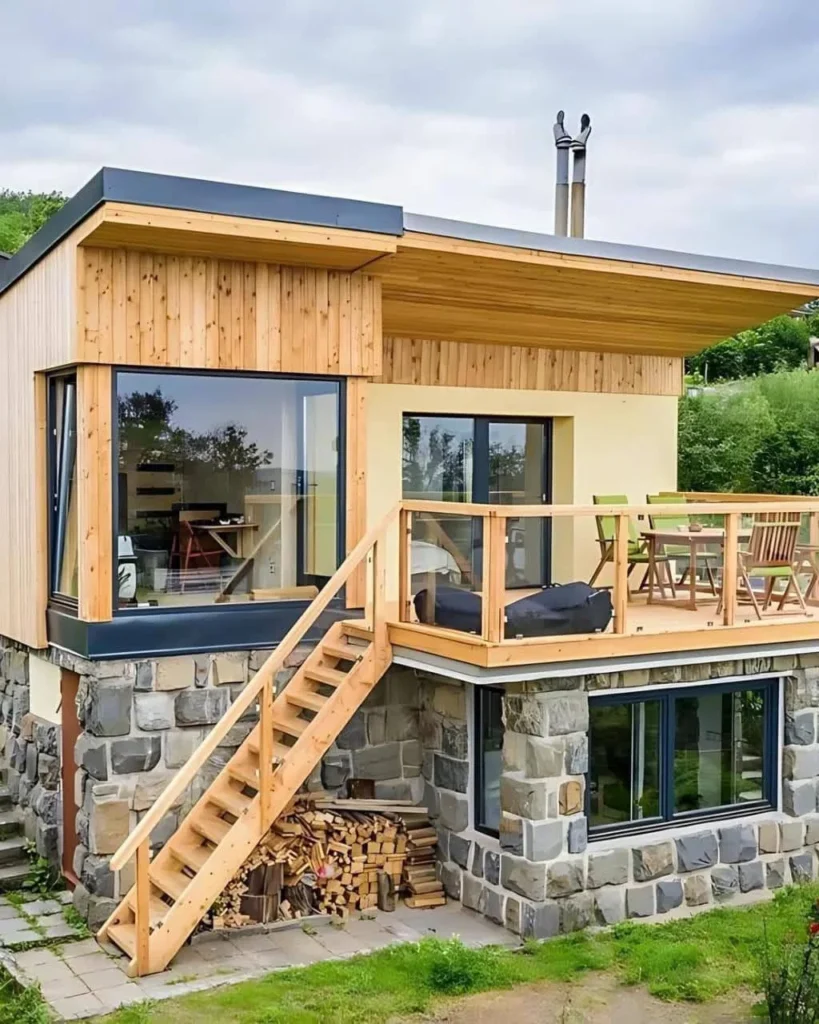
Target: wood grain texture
{"x": 157, "y": 309}
{"x": 37, "y": 324}
{"x": 528, "y": 368}
{"x": 94, "y": 492}
{"x": 356, "y": 484}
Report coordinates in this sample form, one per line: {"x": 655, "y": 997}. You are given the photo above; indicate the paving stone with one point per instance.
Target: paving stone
{"x": 60, "y": 991}
{"x": 775, "y": 874}
{"x": 610, "y": 905}
{"x": 801, "y": 868}
{"x": 652, "y": 861}
{"x": 791, "y": 835}
{"x": 669, "y": 895}
{"x": 697, "y": 890}
{"x": 768, "y": 837}
{"x": 541, "y": 921}
{"x": 542, "y": 840}
{"x": 124, "y": 995}
{"x": 74, "y": 949}
{"x": 697, "y": 851}
{"x": 640, "y": 901}
{"x": 724, "y": 882}
{"x": 523, "y": 877}
{"x": 8, "y": 913}
{"x": 737, "y": 843}
{"x": 751, "y": 876}
{"x": 89, "y": 963}
{"x": 32, "y": 958}
{"x": 19, "y": 938}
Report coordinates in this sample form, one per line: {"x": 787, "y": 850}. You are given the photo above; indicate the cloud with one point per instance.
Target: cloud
{"x": 705, "y": 116}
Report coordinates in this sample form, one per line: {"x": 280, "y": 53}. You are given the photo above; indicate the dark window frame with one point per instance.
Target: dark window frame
{"x": 667, "y": 697}
{"x": 341, "y": 486}
{"x": 57, "y": 513}
{"x": 480, "y": 474}
{"x": 478, "y": 775}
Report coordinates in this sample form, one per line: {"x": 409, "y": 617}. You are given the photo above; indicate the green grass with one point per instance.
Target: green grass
{"x": 697, "y": 959}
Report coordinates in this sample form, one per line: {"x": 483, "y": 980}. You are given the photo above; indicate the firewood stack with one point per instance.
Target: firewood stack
{"x": 420, "y": 875}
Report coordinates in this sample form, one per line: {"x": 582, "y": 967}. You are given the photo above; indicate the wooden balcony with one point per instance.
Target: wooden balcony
{"x": 714, "y": 610}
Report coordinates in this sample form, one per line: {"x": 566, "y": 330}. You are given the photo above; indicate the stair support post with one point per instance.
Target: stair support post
{"x": 142, "y": 929}
{"x": 379, "y": 592}
{"x": 266, "y": 755}
{"x": 404, "y": 565}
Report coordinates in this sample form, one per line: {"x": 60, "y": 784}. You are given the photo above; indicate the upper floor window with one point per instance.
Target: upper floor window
{"x": 681, "y": 754}
{"x": 227, "y": 488}
{"x": 63, "y": 533}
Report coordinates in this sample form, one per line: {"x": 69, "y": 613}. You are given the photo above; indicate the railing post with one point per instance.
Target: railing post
{"x": 143, "y": 909}
{"x": 621, "y": 538}
{"x": 494, "y": 578}
{"x": 404, "y": 565}
{"x": 379, "y": 591}
{"x": 729, "y": 569}
{"x": 266, "y": 754}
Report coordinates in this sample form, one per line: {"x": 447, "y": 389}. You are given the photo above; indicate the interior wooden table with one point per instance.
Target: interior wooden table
{"x": 695, "y": 540}
{"x": 219, "y": 530}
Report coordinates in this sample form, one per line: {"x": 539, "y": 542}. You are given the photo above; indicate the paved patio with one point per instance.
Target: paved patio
{"x": 79, "y": 979}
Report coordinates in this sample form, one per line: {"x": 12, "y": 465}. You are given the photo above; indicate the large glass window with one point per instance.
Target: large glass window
{"x": 682, "y": 754}
{"x": 228, "y": 488}
{"x": 62, "y": 401}
{"x": 488, "y": 757}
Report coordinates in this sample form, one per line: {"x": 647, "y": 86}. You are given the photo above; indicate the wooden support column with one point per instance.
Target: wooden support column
{"x": 379, "y": 597}
{"x": 621, "y": 572}
{"x": 95, "y": 492}
{"x": 404, "y": 565}
{"x": 729, "y": 569}
{"x": 143, "y": 909}
{"x": 266, "y": 755}
{"x": 356, "y": 484}
{"x": 494, "y": 578}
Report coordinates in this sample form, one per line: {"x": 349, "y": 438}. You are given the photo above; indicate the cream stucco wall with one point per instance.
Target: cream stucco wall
{"x": 44, "y": 689}
{"x": 603, "y": 444}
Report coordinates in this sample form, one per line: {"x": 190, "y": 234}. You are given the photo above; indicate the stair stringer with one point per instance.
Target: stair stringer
{"x": 246, "y": 832}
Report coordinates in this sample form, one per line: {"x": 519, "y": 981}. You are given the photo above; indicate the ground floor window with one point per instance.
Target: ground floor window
{"x": 488, "y": 757}
{"x": 228, "y": 487}
{"x": 62, "y": 471}
{"x": 682, "y": 754}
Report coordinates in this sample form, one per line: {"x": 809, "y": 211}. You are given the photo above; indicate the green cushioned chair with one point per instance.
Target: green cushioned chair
{"x": 771, "y": 556}
{"x": 680, "y": 551}
{"x": 637, "y": 548}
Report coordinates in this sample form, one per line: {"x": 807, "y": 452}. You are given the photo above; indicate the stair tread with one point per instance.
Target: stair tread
{"x": 249, "y": 774}
{"x": 193, "y": 855}
{"x": 339, "y": 649}
{"x": 305, "y": 699}
{"x": 12, "y": 843}
{"x": 124, "y": 935}
{"x": 291, "y": 726}
{"x": 156, "y": 908}
{"x": 229, "y": 799}
{"x": 358, "y": 630}
{"x": 280, "y": 750}
{"x": 171, "y": 882}
{"x": 325, "y": 674}
{"x": 211, "y": 826}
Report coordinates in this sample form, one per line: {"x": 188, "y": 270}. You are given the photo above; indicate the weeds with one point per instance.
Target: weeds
{"x": 21, "y": 1005}
{"x": 790, "y": 976}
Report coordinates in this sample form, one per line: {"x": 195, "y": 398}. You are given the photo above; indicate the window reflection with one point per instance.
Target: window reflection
{"x": 625, "y": 762}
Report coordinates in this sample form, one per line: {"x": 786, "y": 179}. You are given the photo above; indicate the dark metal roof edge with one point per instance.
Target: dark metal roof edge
{"x": 518, "y": 239}
{"x": 113, "y": 184}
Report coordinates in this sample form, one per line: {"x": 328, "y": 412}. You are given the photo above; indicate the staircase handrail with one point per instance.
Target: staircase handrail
{"x": 186, "y": 774}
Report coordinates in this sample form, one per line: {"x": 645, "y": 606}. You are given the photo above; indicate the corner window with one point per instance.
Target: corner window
{"x": 63, "y": 548}
{"x": 681, "y": 755}
{"x": 228, "y": 488}
{"x": 488, "y": 757}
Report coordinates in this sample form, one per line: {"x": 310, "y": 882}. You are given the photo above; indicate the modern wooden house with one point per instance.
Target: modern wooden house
{"x": 281, "y": 473}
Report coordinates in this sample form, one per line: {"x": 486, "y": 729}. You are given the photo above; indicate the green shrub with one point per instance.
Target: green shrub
{"x": 453, "y": 969}
{"x": 790, "y": 976}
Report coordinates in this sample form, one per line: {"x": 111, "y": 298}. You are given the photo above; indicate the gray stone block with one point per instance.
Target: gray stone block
{"x": 564, "y": 878}
{"x": 542, "y": 840}
{"x": 451, "y": 774}
{"x": 477, "y": 860}
{"x": 609, "y": 867}
{"x": 379, "y": 763}
{"x": 510, "y": 834}
{"x": 577, "y": 912}
{"x": 800, "y": 762}
{"x": 697, "y": 890}
{"x": 491, "y": 867}
{"x": 411, "y": 757}
{"x": 800, "y": 728}
{"x": 610, "y": 906}
{"x": 180, "y": 744}
{"x": 801, "y": 868}
{"x": 459, "y": 849}
{"x": 543, "y": 758}
{"x": 97, "y": 876}
{"x": 154, "y": 711}
{"x": 775, "y": 874}
{"x": 473, "y": 893}
{"x": 454, "y": 740}
{"x": 811, "y": 831}
{"x": 335, "y": 770}
{"x": 144, "y": 679}
{"x": 354, "y": 736}
{"x": 48, "y": 771}
{"x": 401, "y": 722}
{"x": 494, "y": 906}
{"x": 640, "y": 901}
{"x": 451, "y": 879}
{"x": 525, "y": 797}
{"x": 454, "y": 810}
{"x": 512, "y": 916}
{"x": 768, "y": 837}
{"x": 578, "y": 836}
{"x": 724, "y": 883}
{"x": 47, "y": 737}
{"x": 697, "y": 851}
{"x": 93, "y": 757}
{"x": 541, "y": 921}
{"x": 376, "y": 720}
{"x": 108, "y": 708}
{"x": 652, "y": 861}
{"x": 31, "y": 763}
{"x": 669, "y": 895}
{"x": 526, "y": 715}
{"x": 737, "y": 843}
{"x": 791, "y": 835}
{"x": 524, "y": 877}
{"x": 431, "y": 800}
{"x": 577, "y": 754}
{"x": 799, "y": 798}
{"x": 138, "y": 754}
{"x": 751, "y": 876}
{"x": 568, "y": 713}
{"x": 200, "y": 707}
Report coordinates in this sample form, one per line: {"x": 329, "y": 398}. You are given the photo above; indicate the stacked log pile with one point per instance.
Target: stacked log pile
{"x": 420, "y": 876}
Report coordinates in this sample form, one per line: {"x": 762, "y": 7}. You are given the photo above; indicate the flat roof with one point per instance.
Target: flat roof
{"x": 215, "y": 197}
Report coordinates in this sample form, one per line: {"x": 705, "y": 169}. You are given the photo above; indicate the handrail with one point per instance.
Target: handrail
{"x": 186, "y": 774}
{"x": 772, "y": 504}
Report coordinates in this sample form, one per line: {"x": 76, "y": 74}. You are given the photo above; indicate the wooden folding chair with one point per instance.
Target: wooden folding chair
{"x": 637, "y": 548}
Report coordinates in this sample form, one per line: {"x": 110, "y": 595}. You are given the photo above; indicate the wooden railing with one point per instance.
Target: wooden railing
{"x": 495, "y": 519}
{"x": 371, "y": 549}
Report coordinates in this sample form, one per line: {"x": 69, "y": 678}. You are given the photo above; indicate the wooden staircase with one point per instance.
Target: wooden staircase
{"x": 175, "y": 889}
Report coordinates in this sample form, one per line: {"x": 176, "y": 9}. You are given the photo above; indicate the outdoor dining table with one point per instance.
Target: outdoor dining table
{"x": 695, "y": 540}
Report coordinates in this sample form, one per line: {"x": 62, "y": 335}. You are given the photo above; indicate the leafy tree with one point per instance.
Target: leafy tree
{"x": 23, "y": 213}
{"x": 781, "y": 343}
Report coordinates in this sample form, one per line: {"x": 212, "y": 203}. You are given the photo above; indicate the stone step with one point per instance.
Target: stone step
{"x": 13, "y": 850}
{"x": 12, "y": 876}
{"x": 10, "y": 824}
{"x": 6, "y": 799}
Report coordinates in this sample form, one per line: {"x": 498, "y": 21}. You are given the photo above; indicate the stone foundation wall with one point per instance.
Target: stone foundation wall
{"x": 542, "y": 877}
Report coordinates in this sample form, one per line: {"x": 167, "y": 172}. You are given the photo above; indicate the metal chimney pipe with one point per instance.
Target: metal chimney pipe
{"x": 563, "y": 142}
{"x": 579, "y": 177}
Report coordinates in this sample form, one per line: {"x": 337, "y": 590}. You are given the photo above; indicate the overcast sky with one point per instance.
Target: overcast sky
{"x": 705, "y": 112}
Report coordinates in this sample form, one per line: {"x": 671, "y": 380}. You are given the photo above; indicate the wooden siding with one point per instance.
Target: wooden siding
{"x": 149, "y": 309}
{"x": 95, "y": 492}
{"x": 36, "y": 332}
{"x": 464, "y": 364}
